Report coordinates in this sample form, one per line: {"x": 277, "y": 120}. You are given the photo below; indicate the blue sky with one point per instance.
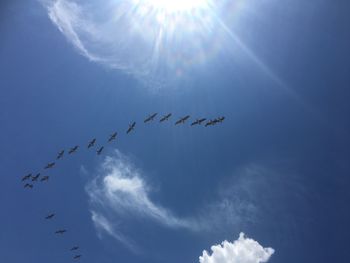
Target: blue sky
{"x": 276, "y": 169}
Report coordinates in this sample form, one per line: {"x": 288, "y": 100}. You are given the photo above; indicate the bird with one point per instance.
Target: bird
{"x": 44, "y": 178}
{"x": 35, "y": 178}
{"x": 50, "y": 165}
{"x": 26, "y": 177}
{"x": 150, "y": 118}
{"x": 60, "y": 155}
{"x": 198, "y": 121}
{"x": 220, "y": 119}
{"x": 182, "y": 120}
{"x": 74, "y": 149}
{"x": 49, "y": 216}
{"x": 99, "y": 151}
{"x": 210, "y": 122}
{"x": 112, "y": 137}
{"x": 92, "y": 143}
{"x": 61, "y": 231}
{"x": 131, "y": 127}
{"x": 165, "y": 118}
{"x": 28, "y": 186}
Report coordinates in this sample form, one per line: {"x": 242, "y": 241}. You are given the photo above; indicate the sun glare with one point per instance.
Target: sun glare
{"x": 172, "y": 6}
{"x": 159, "y": 41}
{"x": 176, "y": 33}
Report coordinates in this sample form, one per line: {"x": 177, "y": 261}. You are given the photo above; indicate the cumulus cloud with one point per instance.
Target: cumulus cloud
{"x": 242, "y": 250}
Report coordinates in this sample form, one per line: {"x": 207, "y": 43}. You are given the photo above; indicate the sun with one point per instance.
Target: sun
{"x": 171, "y": 14}
{"x": 173, "y": 6}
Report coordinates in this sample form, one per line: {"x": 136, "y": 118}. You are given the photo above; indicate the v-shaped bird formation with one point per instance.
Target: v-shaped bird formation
{"x": 30, "y": 179}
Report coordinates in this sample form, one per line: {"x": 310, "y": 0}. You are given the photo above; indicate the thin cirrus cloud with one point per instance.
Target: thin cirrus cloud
{"x": 121, "y": 192}
{"x": 102, "y": 224}
{"x": 242, "y": 250}
{"x": 67, "y": 16}
{"x": 122, "y": 203}
{"x": 139, "y": 38}
{"x": 89, "y": 29}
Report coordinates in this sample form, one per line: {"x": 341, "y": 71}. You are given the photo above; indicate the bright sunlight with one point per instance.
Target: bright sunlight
{"x": 171, "y": 6}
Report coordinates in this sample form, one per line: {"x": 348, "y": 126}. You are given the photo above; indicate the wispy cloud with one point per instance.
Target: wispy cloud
{"x": 103, "y": 224}
{"x": 122, "y": 189}
{"x": 68, "y": 17}
{"x": 100, "y": 33}
{"x": 120, "y": 194}
{"x": 242, "y": 250}
{"x": 120, "y": 197}
{"x": 139, "y": 37}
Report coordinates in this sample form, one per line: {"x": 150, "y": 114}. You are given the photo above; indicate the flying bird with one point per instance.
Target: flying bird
{"x": 60, "y": 155}
{"x": 50, "y": 165}
{"x": 50, "y": 216}
{"x": 26, "y": 177}
{"x": 210, "y": 122}
{"x": 220, "y": 119}
{"x": 182, "y": 120}
{"x": 61, "y": 231}
{"x": 74, "y": 248}
{"x": 150, "y": 118}
{"x": 99, "y": 150}
{"x": 92, "y": 143}
{"x": 35, "y": 178}
{"x": 28, "y": 186}
{"x": 74, "y": 149}
{"x": 198, "y": 122}
{"x": 112, "y": 137}
{"x": 131, "y": 127}
{"x": 165, "y": 118}
{"x": 45, "y": 178}
{"x": 77, "y": 257}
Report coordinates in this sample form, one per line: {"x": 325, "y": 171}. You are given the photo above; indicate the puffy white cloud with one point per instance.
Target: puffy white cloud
{"x": 242, "y": 250}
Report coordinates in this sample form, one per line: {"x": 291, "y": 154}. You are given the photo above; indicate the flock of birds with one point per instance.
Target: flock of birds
{"x": 29, "y": 179}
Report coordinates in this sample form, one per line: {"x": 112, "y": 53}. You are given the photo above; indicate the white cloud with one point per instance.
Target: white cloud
{"x": 103, "y": 224}
{"x": 100, "y": 33}
{"x": 68, "y": 18}
{"x": 138, "y": 38}
{"x": 242, "y": 250}
{"x": 120, "y": 198}
{"x": 121, "y": 189}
